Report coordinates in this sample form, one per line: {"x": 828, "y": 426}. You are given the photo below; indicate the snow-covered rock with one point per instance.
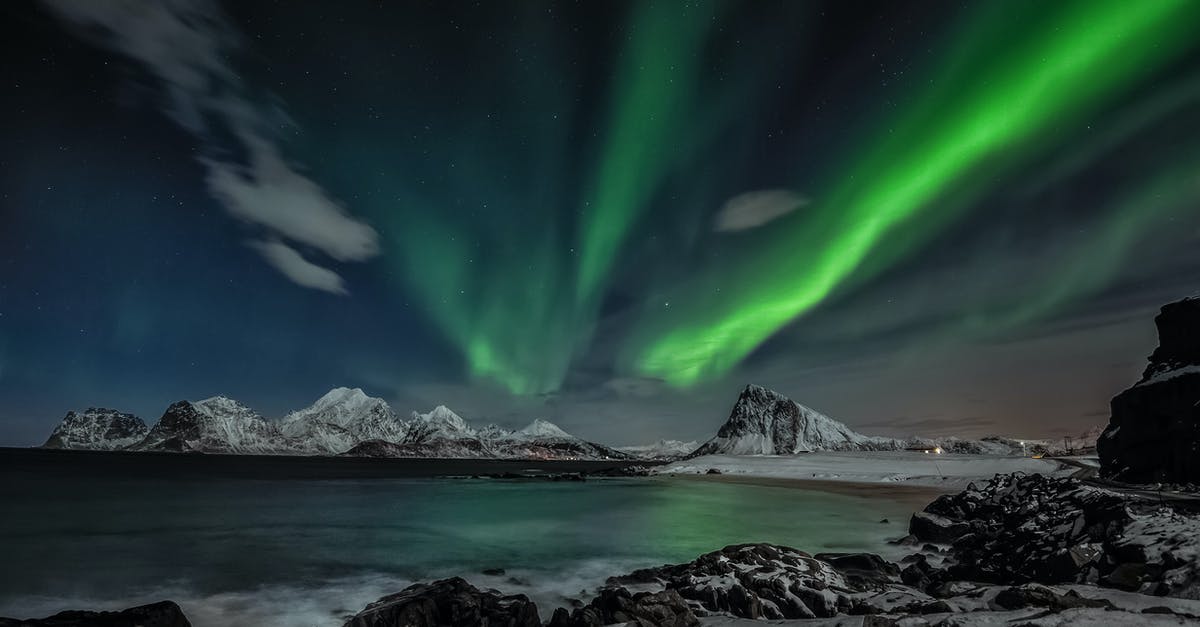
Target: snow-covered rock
{"x": 219, "y": 425}
{"x": 764, "y": 422}
{"x": 660, "y": 450}
{"x": 1020, "y": 527}
{"x": 342, "y": 418}
{"x": 97, "y": 428}
{"x": 543, "y": 429}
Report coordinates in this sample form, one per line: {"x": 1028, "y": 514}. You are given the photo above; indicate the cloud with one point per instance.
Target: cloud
{"x": 636, "y": 387}
{"x": 754, "y": 209}
{"x": 185, "y": 45}
{"x": 273, "y": 195}
{"x": 300, "y": 270}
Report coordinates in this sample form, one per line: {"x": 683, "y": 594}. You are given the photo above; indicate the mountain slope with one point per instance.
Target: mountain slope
{"x": 345, "y": 421}
{"x": 661, "y": 450}
{"x": 764, "y": 422}
{"x": 545, "y": 440}
{"x": 218, "y": 425}
{"x": 97, "y": 428}
{"x": 340, "y": 419}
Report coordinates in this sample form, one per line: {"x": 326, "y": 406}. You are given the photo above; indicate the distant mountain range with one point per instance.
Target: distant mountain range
{"x": 344, "y": 421}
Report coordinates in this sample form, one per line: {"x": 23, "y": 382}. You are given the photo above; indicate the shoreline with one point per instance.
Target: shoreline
{"x": 917, "y": 495}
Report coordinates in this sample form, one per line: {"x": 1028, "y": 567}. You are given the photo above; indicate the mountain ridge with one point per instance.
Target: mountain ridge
{"x": 343, "y": 421}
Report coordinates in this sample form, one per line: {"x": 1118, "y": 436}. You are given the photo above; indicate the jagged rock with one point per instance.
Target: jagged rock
{"x": 1029, "y": 595}
{"x": 617, "y": 605}
{"x": 763, "y": 581}
{"x": 768, "y": 423}
{"x": 930, "y": 527}
{"x": 622, "y": 471}
{"x": 919, "y": 574}
{"x": 861, "y": 569}
{"x": 1154, "y": 432}
{"x": 1029, "y": 528}
{"x": 161, "y": 614}
{"x": 218, "y": 424}
{"x": 765, "y": 422}
{"x": 447, "y": 603}
{"x": 97, "y": 428}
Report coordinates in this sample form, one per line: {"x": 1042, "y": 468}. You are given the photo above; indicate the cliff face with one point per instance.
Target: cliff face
{"x": 1154, "y": 432}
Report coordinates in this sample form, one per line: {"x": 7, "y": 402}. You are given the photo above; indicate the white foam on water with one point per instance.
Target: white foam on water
{"x": 329, "y": 603}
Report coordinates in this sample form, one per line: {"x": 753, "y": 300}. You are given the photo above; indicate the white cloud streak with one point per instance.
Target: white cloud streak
{"x": 185, "y": 44}
{"x": 754, "y": 209}
{"x": 300, "y": 270}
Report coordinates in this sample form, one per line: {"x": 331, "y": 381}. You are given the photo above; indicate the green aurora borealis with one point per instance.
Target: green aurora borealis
{"x": 1013, "y": 85}
{"x": 1011, "y": 80}
{"x": 611, "y": 215}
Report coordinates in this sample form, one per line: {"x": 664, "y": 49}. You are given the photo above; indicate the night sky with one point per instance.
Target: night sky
{"x": 932, "y": 218}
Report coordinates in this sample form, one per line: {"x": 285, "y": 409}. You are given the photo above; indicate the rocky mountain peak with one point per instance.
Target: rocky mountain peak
{"x": 223, "y": 405}
{"x": 97, "y": 428}
{"x": 544, "y": 429}
{"x": 442, "y": 417}
{"x": 765, "y": 422}
{"x": 343, "y": 396}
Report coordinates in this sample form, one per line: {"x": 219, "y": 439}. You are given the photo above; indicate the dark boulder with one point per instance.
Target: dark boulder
{"x": 161, "y": 614}
{"x": 1020, "y": 597}
{"x": 767, "y": 581}
{"x": 861, "y": 569}
{"x": 1154, "y": 432}
{"x": 447, "y": 603}
{"x": 617, "y": 605}
{"x": 929, "y": 527}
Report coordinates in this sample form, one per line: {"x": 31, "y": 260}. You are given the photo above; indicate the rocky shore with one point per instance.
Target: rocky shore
{"x": 1037, "y": 550}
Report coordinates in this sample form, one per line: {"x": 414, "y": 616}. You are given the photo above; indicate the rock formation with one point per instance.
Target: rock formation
{"x": 97, "y": 428}
{"x": 448, "y": 603}
{"x": 161, "y": 614}
{"x": 1154, "y": 432}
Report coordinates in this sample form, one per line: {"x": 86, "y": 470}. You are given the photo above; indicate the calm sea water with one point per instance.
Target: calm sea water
{"x": 298, "y": 550}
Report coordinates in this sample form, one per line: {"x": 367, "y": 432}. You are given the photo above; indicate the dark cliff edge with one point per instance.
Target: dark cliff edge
{"x": 1154, "y": 432}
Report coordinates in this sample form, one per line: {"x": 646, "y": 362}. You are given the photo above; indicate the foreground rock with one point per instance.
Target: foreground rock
{"x": 1154, "y": 432}
{"x": 767, "y": 581}
{"x": 448, "y": 603}
{"x": 1029, "y": 528}
{"x": 619, "y": 606}
{"x": 161, "y": 614}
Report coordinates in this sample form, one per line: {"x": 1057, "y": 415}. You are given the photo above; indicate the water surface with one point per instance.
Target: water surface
{"x": 307, "y": 551}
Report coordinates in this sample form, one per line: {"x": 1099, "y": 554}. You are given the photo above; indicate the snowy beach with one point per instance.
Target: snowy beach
{"x": 912, "y": 468}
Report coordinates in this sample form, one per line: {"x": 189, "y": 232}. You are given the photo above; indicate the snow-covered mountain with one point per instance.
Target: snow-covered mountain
{"x": 341, "y": 419}
{"x": 541, "y": 439}
{"x": 218, "y": 425}
{"x": 345, "y": 421}
{"x": 764, "y": 422}
{"x": 97, "y": 428}
{"x": 661, "y": 450}
{"x": 442, "y": 433}
{"x": 542, "y": 429}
